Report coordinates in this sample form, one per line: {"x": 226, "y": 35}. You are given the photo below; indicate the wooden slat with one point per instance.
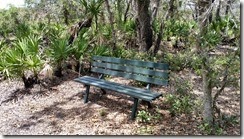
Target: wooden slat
{"x": 134, "y": 92}
{"x": 160, "y": 66}
{"x": 134, "y": 70}
{"x": 131, "y": 76}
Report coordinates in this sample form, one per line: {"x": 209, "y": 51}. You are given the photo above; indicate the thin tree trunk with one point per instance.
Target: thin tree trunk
{"x": 112, "y": 24}
{"x": 158, "y": 40}
{"x": 58, "y": 71}
{"x": 207, "y": 87}
{"x": 171, "y": 9}
{"x": 48, "y": 19}
{"x": 195, "y": 13}
{"x": 227, "y": 7}
{"x": 119, "y": 10}
{"x": 144, "y": 25}
{"x": 127, "y": 10}
{"x": 29, "y": 81}
{"x": 210, "y": 18}
{"x": 218, "y": 11}
{"x": 224, "y": 83}
{"x": 65, "y": 13}
{"x": 155, "y": 10}
{"x": 66, "y": 16}
{"x": 75, "y": 29}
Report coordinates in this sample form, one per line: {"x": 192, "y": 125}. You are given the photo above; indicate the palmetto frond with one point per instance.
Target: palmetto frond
{"x": 59, "y": 51}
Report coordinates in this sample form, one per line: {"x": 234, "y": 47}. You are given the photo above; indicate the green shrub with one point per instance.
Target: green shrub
{"x": 22, "y": 30}
{"x": 59, "y": 51}
{"x": 80, "y": 48}
{"x": 22, "y": 58}
{"x": 101, "y": 50}
{"x": 144, "y": 116}
{"x": 230, "y": 120}
{"x": 121, "y": 52}
{"x": 179, "y": 28}
{"x": 211, "y": 130}
{"x": 179, "y": 104}
{"x": 181, "y": 86}
{"x": 180, "y": 101}
{"x": 178, "y": 61}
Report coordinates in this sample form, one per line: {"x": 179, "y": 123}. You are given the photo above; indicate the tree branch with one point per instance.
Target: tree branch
{"x": 75, "y": 29}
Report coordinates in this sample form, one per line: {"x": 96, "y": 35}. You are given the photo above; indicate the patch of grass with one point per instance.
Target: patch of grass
{"x": 103, "y": 112}
{"x": 145, "y": 130}
{"x": 207, "y": 129}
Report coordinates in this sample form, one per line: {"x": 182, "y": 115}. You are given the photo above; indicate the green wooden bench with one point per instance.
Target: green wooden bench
{"x": 148, "y": 72}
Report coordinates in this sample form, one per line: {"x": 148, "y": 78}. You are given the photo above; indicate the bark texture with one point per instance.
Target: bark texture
{"x": 155, "y": 9}
{"x": 127, "y": 10}
{"x": 144, "y": 25}
{"x": 171, "y": 10}
{"x": 112, "y": 24}
{"x": 203, "y": 20}
{"x": 208, "y": 101}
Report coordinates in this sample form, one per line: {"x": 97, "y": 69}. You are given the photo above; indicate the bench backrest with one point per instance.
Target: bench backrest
{"x": 149, "y": 72}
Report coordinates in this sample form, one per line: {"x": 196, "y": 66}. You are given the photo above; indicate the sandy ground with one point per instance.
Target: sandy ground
{"x": 60, "y": 110}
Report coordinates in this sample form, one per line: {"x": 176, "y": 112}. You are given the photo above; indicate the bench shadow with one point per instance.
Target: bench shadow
{"x": 116, "y": 102}
{"x": 56, "y": 114}
{"x": 113, "y": 103}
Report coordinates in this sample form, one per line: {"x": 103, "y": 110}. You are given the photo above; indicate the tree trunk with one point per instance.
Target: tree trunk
{"x": 218, "y": 11}
{"x": 158, "y": 40}
{"x": 58, "y": 72}
{"x": 144, "y": 24}
{"x": 119, "y": 10}
{"x": 112, "y": 24}
{"x": 75, "y": 29}
{"x": 29, "y": 81}
{"x": 207, "y": 88}
{"x": 210, "y": 18}
{"x": 155, "y": 9}
{"x": 127, "y": 10}
{"x": 66, "y": 15}
{"x": 195, "y": 12}
{"x": 171, "y": 9}
{"x": 227, "y": 7}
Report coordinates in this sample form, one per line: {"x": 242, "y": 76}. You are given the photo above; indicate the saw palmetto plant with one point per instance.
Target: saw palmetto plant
{"x": 22, "y": 60}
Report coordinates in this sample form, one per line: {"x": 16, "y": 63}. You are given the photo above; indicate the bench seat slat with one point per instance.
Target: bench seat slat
{"x": 143, "y": 91}
{"x": 128, "y": 90}
{"x": 131, "y": 76}
{"x": 160, "y": 66}
{"x": 129, "y": 69}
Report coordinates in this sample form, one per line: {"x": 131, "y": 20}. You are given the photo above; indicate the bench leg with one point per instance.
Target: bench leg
{"x": 134, "y": 109}
{"x": 103, "y": 91}
{"x": 87, "y": 93}
{"x": 149, "y": 105}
